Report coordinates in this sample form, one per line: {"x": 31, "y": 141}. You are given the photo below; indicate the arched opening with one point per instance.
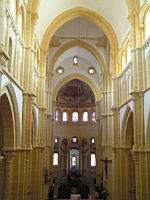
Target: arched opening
{"x": 7, "y": 141}
{"x": 128, "y": 181}
{"x": 77, "y": 99}
{"x": 7, "y": 122}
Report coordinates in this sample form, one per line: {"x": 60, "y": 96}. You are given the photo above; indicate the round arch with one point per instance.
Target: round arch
{"x": 80, "y": 77}
{"x": 74, "y": 13}
{"x": 82, "y": 44}
{"x": 128, "y": 115}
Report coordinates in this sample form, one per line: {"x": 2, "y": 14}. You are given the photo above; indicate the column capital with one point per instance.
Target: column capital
{"x": 136, "y": 94}
{"x": 115, "y": 109}
{"x": 35, "y": 18}
{"x": 8, "y": 154}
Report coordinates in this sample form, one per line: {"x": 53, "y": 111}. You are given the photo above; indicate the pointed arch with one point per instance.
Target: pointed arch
{"x": 128, "y": 118}
{"x": 74, "y": 13}
{"x": 10, "y": 96}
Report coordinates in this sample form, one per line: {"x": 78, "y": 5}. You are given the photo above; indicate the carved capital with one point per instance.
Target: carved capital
{"x": 8, "y": 155}
{"x": 35, "y": 18}
{"x": 134, "y": 94}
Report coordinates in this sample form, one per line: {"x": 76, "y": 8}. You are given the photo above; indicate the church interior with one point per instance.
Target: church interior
{"x": 74, "y": 99}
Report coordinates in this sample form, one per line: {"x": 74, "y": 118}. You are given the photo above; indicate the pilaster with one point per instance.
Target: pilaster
{"x": 138, "y": 120}
{"x": 140, "y": 159}
{"x": 27, "y": 189}
{"x": 28, "y": 100}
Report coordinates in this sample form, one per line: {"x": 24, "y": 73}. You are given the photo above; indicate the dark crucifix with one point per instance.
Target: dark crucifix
{"x": 106, "y": 161}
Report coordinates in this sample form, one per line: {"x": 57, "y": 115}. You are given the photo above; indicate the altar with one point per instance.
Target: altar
{"x": 75, "y": 196}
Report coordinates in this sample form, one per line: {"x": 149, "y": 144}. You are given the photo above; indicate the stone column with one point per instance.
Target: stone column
{"x": 136, "y": 159}
{"x": 116, "y": 175}
{"x": 27, "y": 119}
{"x": 98, "y": 143}
{"x": 138, "y": 120}
{"x": 141, "y": 174}
{"x": 34, "y": 18}
{"x": 41, "y": 174}
{"x": 8, "y": 159}
{"x": 27, "y": 191}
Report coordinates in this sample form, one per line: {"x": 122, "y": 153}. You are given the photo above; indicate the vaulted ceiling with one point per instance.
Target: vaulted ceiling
{"x": 115, "y": 13}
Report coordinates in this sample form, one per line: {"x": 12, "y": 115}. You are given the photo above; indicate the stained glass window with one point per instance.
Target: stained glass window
{"x": 55, "y": 158}
{"x": 75, "y": 116}
{"x": 85, "y": 116}
{"x": 65, "y": 116}
{"x": 93, "y": 160}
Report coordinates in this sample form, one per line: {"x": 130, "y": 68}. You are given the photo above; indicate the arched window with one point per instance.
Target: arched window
{"x": 55, "y": 158}
{"x": 74, "y": 140}
{"x": 93, "y": 160}
{"x": 85, "y": 116}
{"x": 57, "y": 116}
{"x": 128, "y": 53}
{"x": 10, "y": 54}
{"x": 147, "y": 25}
{"x": 93, "y": 116}
{"x": 75, "y": 116}
{"x": 93, "y": 140}
{"x": 65, "y": 116}
{"x": 56, "y": 141}
{"x": 75, "y": 60}
{"x": 74, "y": 161}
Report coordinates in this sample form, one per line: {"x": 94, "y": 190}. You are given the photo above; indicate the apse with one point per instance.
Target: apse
{"x": 75, "y": 94}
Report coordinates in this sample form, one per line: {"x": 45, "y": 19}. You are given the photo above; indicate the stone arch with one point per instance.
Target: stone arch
{"x": 80, "y": 77}
{"x": 74, "y": 13}
{"x": 82, "y": 44}
{"x": 143, "y": 12}
{"x": 126, "y": 139}
{"x": 8, "y": 90}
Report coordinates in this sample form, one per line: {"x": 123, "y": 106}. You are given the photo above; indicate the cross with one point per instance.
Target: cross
{"x": 106, "y": 161}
